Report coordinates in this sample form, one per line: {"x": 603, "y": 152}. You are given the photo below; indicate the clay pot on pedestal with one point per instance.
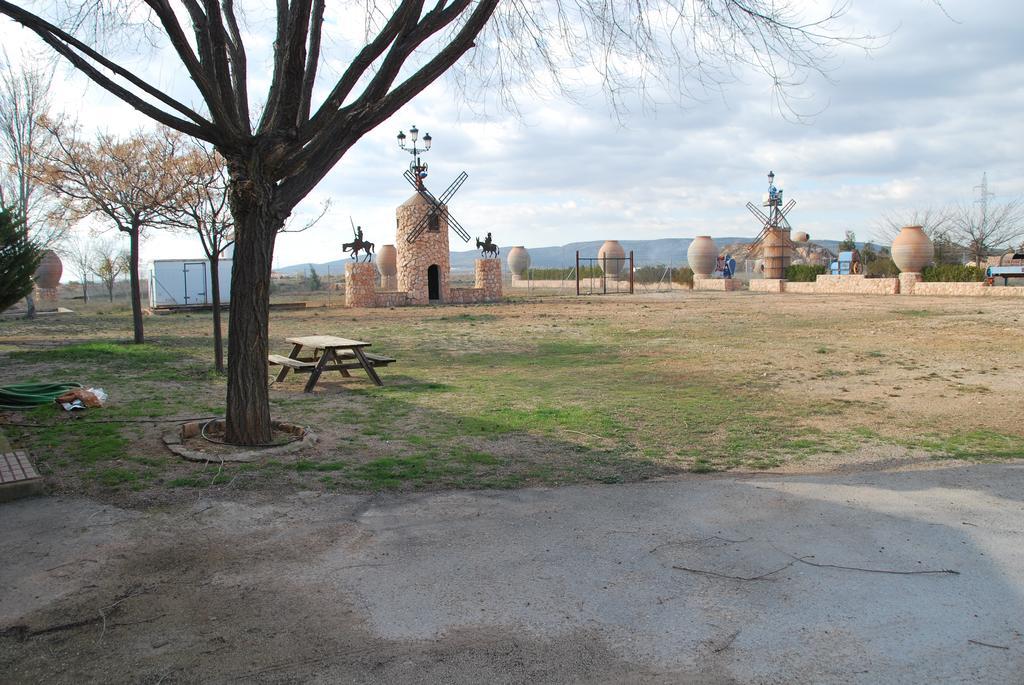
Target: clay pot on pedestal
{"x": 611, "y": 258}
{"x": 48, "y": 273}
{"x": 702, "y": 256}
{"x": 387, "y": 265}
{"x": 518, "y": 261}
{"x": 912, "y": 250}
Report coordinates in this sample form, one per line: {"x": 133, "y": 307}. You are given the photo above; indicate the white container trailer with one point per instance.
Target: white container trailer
{"x": 186, "y": 283}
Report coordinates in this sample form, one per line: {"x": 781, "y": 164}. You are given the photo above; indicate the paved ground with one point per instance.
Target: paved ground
{"x": 584, "y": 584}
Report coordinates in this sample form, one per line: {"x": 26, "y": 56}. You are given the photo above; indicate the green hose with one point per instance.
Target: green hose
{"x": 28, "y": 395}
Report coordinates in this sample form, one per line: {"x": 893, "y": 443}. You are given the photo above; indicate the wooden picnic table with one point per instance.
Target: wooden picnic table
{"x": 328, "y": 353}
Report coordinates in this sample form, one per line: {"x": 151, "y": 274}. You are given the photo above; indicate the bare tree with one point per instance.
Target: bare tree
{"x": 78, "y": 251}
{"x": 937, "y": 224}
{"x": 277, "y": 155}
{"x": 201, "y": 206}
{"x": 983, "y": 226}
{"x": 24, "y": 101}
{"x": 110, "y": 261}
{"x": 123, "y": 181}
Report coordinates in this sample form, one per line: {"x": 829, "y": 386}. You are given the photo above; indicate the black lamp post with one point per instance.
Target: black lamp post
{"x": 418, "y": 168}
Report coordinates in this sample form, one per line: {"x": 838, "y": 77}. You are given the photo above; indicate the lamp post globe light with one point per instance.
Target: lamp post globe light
{"x": 418, "y": 168}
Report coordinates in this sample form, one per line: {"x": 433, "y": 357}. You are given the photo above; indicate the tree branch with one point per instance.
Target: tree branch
{"x": 66, "y": 45}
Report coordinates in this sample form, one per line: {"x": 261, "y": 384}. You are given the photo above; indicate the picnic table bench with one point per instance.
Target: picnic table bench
{"x": 328, "y": 353}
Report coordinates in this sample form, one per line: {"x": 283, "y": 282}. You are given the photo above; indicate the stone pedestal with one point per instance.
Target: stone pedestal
{"x": 488, "y": 278}
{"x": 360, "y": 284}
{"x": 908, "y": 279}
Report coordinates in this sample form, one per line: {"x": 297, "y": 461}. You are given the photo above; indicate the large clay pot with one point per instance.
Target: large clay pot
{"x": 387, "y": 265}
{"x": 612, "y": 258}
{"x": 518, "y": 261}
{"x": 702, "y": 255}
{"x": 801, "y": 237}
{"x": 912, "y": 250}
{"x": 48, "y": 274}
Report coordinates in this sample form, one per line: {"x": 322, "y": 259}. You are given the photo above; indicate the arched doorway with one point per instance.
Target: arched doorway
{"x": 434, "y": 282}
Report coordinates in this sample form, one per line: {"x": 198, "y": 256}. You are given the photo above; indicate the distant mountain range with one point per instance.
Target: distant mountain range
{"x": 661, "y": 251}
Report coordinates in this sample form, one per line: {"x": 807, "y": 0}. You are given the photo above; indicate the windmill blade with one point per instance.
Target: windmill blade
{"x": 756, "y": 243}
{"x": 418, "y": 229}
{"x": 789, "y": 206}
{"x": 758, "y": 213}
{"x": 454, "y": 187}
{"x": 453, "y": 224}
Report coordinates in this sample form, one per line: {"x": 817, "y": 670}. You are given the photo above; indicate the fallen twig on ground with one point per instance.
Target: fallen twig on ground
{"x": 986, "y": 644}
{"x": 803, "y": 560}
{"x": 763, "y": 576}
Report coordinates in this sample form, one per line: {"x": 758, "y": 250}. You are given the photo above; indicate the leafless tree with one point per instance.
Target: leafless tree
{"x": 201, "y": 207}
{"x": 24, "y": 101}
{"x": 79, "y": 253}
{"x": 110, "y": 260}
{"x": 937, "y": 224}
{"x": 983, "y": 226}
{"x": 277, "y": 152}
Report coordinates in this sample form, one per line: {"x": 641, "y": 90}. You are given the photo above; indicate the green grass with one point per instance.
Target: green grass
{"x": 974, "y": 445}
{"x": 599, "y": 394}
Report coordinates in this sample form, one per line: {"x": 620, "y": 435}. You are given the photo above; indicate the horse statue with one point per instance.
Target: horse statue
{"x": 359, "y": 245}
{"x": 487, "y": 248}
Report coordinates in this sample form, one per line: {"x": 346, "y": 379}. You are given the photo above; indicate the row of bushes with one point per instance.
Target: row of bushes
{"x": 804, "y": 273}
{"x": 952, "y": 273}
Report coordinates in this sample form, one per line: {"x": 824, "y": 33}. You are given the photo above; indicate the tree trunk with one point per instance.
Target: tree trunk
{"x": 85, "y": 291}
{"x": 136, "y": 291}
{"x": 30, "y": 305}
{"x": 257, "y": 222}
{"x": 218, "y": 339}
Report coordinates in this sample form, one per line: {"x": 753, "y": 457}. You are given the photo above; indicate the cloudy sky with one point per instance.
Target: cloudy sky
{"x": 912, "y": 125}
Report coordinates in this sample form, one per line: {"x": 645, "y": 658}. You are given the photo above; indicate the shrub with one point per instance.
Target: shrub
{"x": 804, "y": 273}
{"x": 683, "y": 276}
{"x": 952, "y": 273}
{"x": 882, "y": 267}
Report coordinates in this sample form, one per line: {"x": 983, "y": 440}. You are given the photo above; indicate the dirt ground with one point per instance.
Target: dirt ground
{"x": 877, "y": 577}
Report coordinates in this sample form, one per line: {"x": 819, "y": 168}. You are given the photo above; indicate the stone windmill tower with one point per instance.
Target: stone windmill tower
{"x": 422, "y": 256}
{"x": 424, "y": 265}
{"x": 424, "y": 262}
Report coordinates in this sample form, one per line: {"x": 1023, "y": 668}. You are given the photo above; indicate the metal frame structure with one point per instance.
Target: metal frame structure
{"x": 603, "y": 262}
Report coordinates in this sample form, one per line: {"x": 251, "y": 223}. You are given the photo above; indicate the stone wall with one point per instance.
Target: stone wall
{"x": 392, "y": 298}
{"x": 488, "y": 285}
{"x": 767, "y": 285}
{"x": 801, "y": 287}
{"x": 856, "y": 285}
{"x": 973, "y": 289}
{"x": 727, "y": 284}
{"x": 907, "y": 284}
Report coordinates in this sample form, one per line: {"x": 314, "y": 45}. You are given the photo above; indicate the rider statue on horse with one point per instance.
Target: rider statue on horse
{"x": 487, "y": 248}
{"x": 358, "y": 245}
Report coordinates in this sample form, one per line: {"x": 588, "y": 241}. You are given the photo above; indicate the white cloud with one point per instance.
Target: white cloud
{"x": 912, "y": 125}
